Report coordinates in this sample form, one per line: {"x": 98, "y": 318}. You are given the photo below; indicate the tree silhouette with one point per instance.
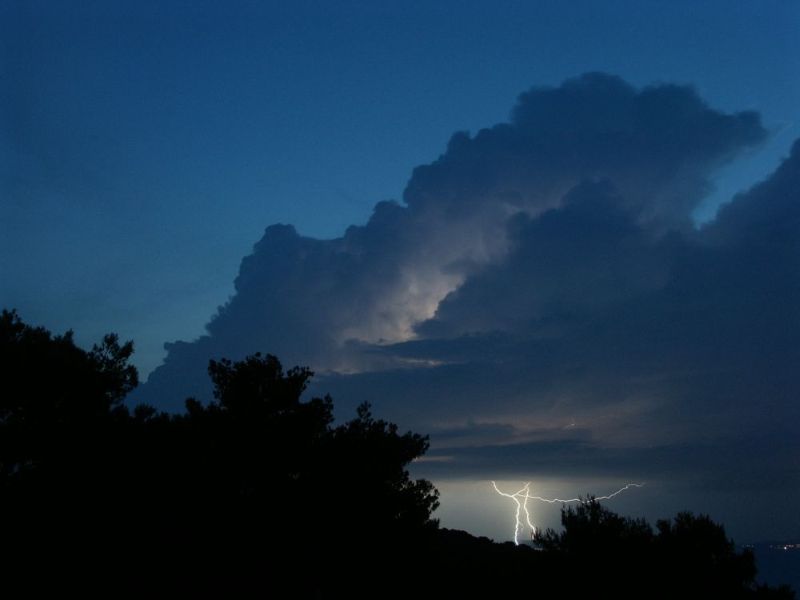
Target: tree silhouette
{"x": 48, "y": 380}
{"x": 590, "y": 527}
{"x": 256, "y": 490}
{"x": 623, "y": 557}
{"x": 346, "y": 486}
{"x": 698, "y": 548}
{"x": 258, "y": 493}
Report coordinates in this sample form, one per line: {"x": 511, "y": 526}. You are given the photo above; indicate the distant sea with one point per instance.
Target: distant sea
{"x": 777, "y": 566}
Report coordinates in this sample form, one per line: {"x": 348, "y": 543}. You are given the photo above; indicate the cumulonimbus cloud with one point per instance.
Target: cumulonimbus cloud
{"x": 541, "y": 303}
{"x": 608, "y": 350}
{"x": 526, "y": 226}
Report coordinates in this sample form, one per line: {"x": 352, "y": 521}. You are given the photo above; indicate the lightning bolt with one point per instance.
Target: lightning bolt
{"x": 522, "y": 496}
{"x": 515, "y": 497}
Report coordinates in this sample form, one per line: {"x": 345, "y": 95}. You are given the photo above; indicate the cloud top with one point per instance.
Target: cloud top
{"x": 593, "y": 148}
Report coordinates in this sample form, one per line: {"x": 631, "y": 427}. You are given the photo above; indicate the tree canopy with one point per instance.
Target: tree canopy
{"x": 259, "y": 493}
{"x": 253, "y": 483}
{"x": 626, "y": 557}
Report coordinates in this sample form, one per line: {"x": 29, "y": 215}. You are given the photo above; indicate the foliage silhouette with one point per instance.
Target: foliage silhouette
{"x": 624, "y": 557}
{"x": 243, "y": 494}
{"x": 258, "y": 494}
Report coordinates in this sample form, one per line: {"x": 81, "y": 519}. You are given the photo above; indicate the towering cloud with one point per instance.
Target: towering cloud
{"x": 598, "y": 349}
{"x": 578, "y": 204}
{"x": 542, "y": 304}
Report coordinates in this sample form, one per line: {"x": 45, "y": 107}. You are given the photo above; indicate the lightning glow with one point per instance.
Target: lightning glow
{"x": 522, "y": 496}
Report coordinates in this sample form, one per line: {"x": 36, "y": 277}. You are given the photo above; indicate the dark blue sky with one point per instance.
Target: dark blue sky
{"x": 147, "y": 144}
{"x": 145, "y": 147}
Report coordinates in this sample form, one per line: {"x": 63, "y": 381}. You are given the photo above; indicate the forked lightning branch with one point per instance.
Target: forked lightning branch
{"x": 522, "y": 496}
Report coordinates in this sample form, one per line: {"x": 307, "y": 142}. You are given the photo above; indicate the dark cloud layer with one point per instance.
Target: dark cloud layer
{"x": 685, "y": 366}
{"x": 657, "y": 145}
{"x": 320, "y": 301}
{"x": 541, "y": 302}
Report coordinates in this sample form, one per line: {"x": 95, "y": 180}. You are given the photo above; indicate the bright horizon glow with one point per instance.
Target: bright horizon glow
{"x": 524, "y": 493}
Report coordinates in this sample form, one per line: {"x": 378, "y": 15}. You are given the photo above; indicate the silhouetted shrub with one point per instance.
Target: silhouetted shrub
{"x": 259, "y": 494}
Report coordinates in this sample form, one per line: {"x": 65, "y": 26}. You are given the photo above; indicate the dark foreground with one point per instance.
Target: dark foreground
{"x": 259, "y": 495}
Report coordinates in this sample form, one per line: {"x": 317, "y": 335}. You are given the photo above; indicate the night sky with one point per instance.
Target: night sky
{"x": 563, "y": 239}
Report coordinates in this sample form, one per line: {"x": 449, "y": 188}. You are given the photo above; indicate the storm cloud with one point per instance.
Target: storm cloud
{"x": 674, "y": 357}
{"x": 541, "y": 301}
{"x": 335, "y": 304}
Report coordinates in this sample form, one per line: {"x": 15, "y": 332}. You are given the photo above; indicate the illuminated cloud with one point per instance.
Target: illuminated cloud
{"x": 543, "y": 306}
{"x": 607, "y": 352}
{"x": 594, "y": 156}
